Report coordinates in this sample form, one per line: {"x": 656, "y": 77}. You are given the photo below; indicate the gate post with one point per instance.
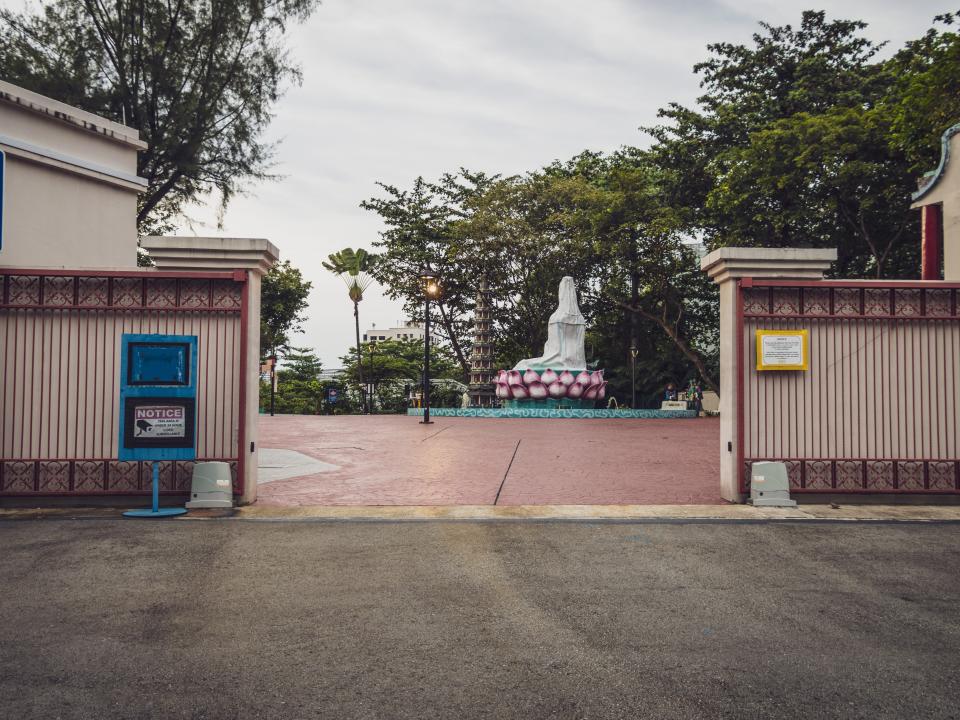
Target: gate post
{"x": 727, "y": 267}
{"x": 254, "y": 257}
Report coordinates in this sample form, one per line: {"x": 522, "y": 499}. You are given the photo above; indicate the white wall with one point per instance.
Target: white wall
{"x": 70, "y": 186}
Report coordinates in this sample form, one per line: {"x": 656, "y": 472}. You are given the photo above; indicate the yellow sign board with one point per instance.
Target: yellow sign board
{"x": 783, "y": 349}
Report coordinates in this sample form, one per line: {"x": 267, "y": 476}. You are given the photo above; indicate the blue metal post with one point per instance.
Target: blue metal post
{"x": 156, "y": 486}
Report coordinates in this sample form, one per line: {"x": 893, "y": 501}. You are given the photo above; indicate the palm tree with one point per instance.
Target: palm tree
{"x": 351, "y": 266}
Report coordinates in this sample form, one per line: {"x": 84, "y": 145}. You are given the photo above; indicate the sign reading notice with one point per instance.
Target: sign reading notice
{"x": 160, "y": 421}
{"x": 782, "y": 349}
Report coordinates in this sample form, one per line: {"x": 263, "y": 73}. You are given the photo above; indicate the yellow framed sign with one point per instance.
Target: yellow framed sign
{"x": 783, "y": 349}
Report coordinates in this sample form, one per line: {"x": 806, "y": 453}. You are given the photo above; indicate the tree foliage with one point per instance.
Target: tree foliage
{"x": 300, "y": 391}
{"x": 790, "y": 145}
{"x": 420, "y": 230}
{"x": 393, "y": 367}
{"x": 803, "y": 137}
{"x": 197, "y": 78}
{"x": 925, "y": 96}
{"x": 353, "y": 267}
{"x": 283, "y": 302}
{"x": 599, "y": 219}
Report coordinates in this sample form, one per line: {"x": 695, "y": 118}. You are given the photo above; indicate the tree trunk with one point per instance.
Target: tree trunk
{"x": 356, "y": 321}
{"x": 691, "y": 354}
{"x": 457, "y": 350}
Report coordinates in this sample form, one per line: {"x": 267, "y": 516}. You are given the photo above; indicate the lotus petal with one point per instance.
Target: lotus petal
{"x": 514, "y": 378}
{"x": 520, "y": 392}
{"x": 576, "y": 390}
{"x": 557, "y": 389}
{"x": 538, "y": 390}
{"x": 549, "y": 377}
{"x": 596, "y": 377}
{"x": 567, "y": 378}
{"x": 503, "y": 390}
{"x": 583, "y": 379}
{"x": 502, "y": 376}
{"x": 602, "y": 392}
{"x": 591, "y": 393}
{"x": 530, "y": 376}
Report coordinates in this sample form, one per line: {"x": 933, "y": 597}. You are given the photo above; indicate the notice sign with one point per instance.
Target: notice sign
{"x": 783, "y": 349}
{"x": 160, "y": 421}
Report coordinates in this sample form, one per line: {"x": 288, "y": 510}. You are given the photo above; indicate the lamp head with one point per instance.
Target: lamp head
{"x": 431, "y": 283}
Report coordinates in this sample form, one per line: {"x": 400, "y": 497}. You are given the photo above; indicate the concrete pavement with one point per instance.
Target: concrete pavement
{"x": 806, "y": 512}
{"x": 112, "y": 618}
{"x": 394, "y": 460}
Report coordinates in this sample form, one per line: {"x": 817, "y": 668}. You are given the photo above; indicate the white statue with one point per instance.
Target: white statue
{"x": 565, "y": 335}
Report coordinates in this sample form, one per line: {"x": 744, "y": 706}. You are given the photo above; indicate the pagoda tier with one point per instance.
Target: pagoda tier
{"x": 481, "y": 355}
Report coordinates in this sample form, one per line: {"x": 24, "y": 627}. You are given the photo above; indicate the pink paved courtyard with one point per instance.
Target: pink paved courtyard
{"x": 394, "y": 460}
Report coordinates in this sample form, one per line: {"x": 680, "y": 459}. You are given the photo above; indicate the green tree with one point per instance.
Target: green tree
{"x": 352, "y": 266}
{"x": 197, "y": 78}
{"x": 299, "y": 389}
{"x": 517, "y": 229}
{"x": 392, "y": 367}
{"x": 598, "y": 219}
{"x": 830, "y": 179}
{"x": 638, "y": 259}
{"x": 924, "y": 99}
{"x": 420, "y": 229}
{"x": 283, "y": 300}
{"x": 819, "y": 83}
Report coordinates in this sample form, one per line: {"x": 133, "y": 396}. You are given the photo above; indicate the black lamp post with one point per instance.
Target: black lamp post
{"x": 633, "y": 375}
{"x": 431, "y": 291}
{"x": 273, "y": 380}
{"x": 372, "y": 385}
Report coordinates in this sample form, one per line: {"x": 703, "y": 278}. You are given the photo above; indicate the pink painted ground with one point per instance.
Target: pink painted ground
{"x": 394, "y": 460}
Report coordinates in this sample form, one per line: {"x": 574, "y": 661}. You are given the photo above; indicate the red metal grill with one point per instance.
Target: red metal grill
{"x": 876, "y": 411}
{"x": 59, "y": 348}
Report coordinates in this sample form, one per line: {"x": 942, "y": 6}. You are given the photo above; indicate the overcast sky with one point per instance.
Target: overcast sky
{"x": 393, "y": 90}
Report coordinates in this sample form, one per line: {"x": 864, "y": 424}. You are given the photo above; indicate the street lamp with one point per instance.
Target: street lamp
{"x": 431, "y": 291}
{"x": 371, "y": 387}
{"x": 633, "y": 374}
{"x": 273, "y": 380}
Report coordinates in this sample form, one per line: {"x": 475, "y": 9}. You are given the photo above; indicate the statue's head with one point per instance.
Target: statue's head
{"x": 568, "y": 304}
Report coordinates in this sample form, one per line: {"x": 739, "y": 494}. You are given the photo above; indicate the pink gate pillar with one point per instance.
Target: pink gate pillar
{"x": 253, "y": 257}
{"x": 728, "y": 267}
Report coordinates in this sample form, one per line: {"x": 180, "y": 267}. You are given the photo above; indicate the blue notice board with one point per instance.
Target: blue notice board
{"x": 158, "y": 397}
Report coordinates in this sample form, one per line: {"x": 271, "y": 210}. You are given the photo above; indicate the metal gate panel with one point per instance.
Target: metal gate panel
{"x": 59, "y": 358}
{"x": 877, "y": 409}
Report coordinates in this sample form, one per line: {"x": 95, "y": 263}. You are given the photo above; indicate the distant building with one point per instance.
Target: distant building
{"x": 407, "y": 330}
{"x": 328, "y": 374}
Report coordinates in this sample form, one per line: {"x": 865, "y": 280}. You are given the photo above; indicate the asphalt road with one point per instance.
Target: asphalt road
{"x": 238, "y": 619}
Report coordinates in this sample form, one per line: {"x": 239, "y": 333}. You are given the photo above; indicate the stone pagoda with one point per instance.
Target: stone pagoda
{"x": 481, "y": 356}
